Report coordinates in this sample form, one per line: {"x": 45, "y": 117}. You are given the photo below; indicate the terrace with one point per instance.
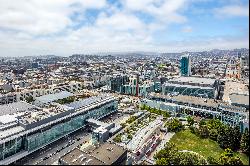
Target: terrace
{"x": 134, "y": 126}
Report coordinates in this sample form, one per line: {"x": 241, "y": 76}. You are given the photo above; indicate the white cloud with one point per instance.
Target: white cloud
{"x": 187, "y": 29}
{"x": 42, "y": 17}
{"x": 161, "y": 10}
{"x": 232, "y": 10}
{"x": 120, "y": 21}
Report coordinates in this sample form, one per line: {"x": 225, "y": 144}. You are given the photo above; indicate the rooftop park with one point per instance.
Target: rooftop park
{"x": 70, "y": 99}
{"x": 134, "y": 126}
{"x": 165, "y": 114}
{"x": 218, "y": 143}
{"x": 66, "y": 100}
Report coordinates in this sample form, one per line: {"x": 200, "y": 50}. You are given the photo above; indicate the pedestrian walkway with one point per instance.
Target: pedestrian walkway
{"x": 165, "y": 139}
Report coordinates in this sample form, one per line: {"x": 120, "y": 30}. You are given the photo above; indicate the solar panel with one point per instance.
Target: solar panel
{"x": 52, "y": 97}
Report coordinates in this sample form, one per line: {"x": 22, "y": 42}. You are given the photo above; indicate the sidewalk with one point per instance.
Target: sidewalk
{"x": 165, "y": 139}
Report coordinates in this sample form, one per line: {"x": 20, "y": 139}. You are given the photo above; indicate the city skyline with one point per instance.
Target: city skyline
{"x": 84, "y": 26}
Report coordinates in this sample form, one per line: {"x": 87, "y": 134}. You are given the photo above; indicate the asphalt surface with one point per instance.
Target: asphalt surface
{"x": 54, "y": 158}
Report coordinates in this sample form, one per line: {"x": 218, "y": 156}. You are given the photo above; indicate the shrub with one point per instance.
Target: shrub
{"x": 228, "y": 158}
{"x": 212, "y": 161}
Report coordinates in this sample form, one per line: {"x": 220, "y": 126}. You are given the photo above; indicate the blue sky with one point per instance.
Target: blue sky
{"x": 65, "y": 27}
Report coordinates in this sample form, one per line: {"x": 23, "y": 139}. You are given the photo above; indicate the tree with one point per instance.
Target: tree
{"x": 244, "y": 143}
{"x": 229, "y": 137}
{"x": 236, "y": 137}
{"x": 130, "y": 136}
{"x": 174, "y": 125}
{"x": 159, "y": 112}
{"x": 202, "y": 122}
{"x": 222, "y": 137}
{"x": 213, "y": 134}
{"x": 190, "y": 120}
{"x": 169, "y": 154}
{"x": 228, "y": 158}
{"x": 29, "y": 99}
{"x": 143, "y": 107}
{"x": 165, "y": 114}
{"x": 203, "y": 131}
{"x": 214, "y": 124}
{"x": 123, "y": 125}
{"x": 187, "y": 158}
{"x": 118, "y": 138}
{"x": 192, "y": 129}
{"x": 162, "y": 161}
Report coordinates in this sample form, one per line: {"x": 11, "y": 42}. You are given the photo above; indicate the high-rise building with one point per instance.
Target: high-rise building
{"x": 185, "y": 65}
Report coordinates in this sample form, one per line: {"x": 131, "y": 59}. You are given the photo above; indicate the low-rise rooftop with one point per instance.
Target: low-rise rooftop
{"x": 193, "y": 80}
{"x": 108, "y": 153}
{"x": 200, "y": 101}
{"x": 239, "y": 99}
{"x": 189, "y": 99}
{"x": 78, "y": 157}
{"x": 15, "y": 107}
{"x": 87, "y": 101}
{"x": 53, "y": 97}
{"x": 105, "y": 154}
{"x": 187, "y": 86}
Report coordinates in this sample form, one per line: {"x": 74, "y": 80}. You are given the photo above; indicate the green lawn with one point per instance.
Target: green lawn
{"x": 185, "y": 140}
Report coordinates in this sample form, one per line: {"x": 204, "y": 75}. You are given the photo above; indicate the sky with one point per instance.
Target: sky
{"x": 66, "y": 27}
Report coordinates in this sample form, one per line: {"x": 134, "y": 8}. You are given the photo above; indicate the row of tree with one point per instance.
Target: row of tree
{"x": 155, "y": 111}
{"x": 131, "y": 119}
{"x": 66, "y": 100}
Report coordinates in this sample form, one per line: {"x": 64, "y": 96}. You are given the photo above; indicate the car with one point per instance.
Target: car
{"x": 45, "y": 158}
{"x": 78, "y": 139}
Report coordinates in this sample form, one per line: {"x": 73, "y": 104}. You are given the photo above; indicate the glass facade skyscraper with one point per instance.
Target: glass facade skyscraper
{"x": 185, "y": 65}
